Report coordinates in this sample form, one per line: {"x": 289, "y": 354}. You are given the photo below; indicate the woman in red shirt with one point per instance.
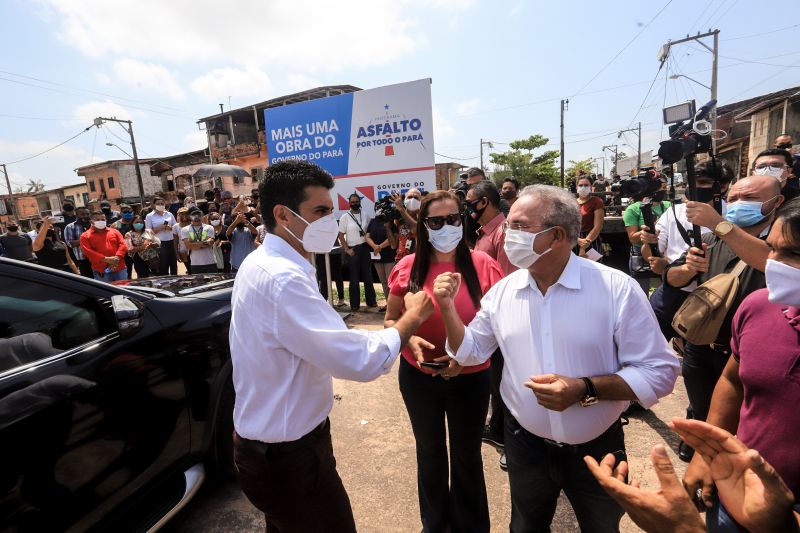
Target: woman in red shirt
{"x": 592, "y": 215}
{"x": 458, "y": 394}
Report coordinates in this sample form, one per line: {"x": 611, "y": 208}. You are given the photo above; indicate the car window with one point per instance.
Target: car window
{"x": 38, "y": 321}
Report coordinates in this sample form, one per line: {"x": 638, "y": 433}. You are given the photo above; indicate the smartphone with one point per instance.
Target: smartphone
{"x": 434, "y": 365}
{"x": 57, "y": 219}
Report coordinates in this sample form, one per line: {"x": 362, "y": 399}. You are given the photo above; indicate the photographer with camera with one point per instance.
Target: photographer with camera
{"x": 353, "y": 238}
{"x": 640, "y": 217}
{"x": 673, "y": 230}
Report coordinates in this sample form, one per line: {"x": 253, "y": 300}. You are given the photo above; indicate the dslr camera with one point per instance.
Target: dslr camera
{"x": 647, "y": 183}
{"x": 461, "y": 187}
{"x": 386, "y": 209}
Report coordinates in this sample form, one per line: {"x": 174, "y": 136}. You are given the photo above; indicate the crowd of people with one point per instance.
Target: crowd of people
{"x": 511, "y": 330}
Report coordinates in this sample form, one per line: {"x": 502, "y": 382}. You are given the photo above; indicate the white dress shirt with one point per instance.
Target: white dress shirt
{"x": 593, "y": 321}
{"x": 287, "y": 343}
{"x": 670, "y": 242}
{"x": 155, "y": 221}
{"x": 348, "y": 226}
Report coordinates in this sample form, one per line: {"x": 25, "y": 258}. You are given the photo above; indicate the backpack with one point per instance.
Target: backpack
{"x": 700, "y": 317}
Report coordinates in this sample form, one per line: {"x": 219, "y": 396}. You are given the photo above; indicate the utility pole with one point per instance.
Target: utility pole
{"x": 10, "y": 193}
{"x": 481, "y": 154}
{"x": 616, "y": 151}
{"x": 639, "y": 154}
{"x": 99, "y": 122}
{"x": 664, "y": 53}
{"x": 564, "y": 107}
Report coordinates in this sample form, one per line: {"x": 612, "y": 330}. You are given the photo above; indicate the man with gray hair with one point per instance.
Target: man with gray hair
{"x": 566, "y": 381}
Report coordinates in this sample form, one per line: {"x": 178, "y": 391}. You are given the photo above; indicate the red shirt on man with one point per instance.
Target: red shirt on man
{"x": 99, "y": 244}
{"x": 491, "y": 241}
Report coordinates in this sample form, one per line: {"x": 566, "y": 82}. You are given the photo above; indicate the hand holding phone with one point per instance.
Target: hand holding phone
{"x": 434, "y": 365}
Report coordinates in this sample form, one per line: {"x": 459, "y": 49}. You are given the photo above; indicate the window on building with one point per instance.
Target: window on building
{"x": 102, "y": 185}
{"x": 86, "y": 197}
{"x": 92, "y": 186}
{"x": 111, "y": 182}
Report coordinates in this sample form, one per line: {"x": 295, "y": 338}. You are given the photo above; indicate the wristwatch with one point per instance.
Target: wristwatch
{"x": 591, "y": 394}
{"x": 723, "y": 228}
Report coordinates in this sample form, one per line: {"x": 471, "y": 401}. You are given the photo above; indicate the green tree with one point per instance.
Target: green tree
{"x": 620, "y": 156}
{"x": 521, "y": 163}
{"x": 585, "y": 166}
{"x": 35, "y": 185}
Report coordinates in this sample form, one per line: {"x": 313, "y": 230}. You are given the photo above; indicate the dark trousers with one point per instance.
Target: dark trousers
{"x": 142, "y": 270}
{"x": 451, "y": 494}
{"x": 336, "y": 274}
{"x": 538, "y": 470}
{"x": 168, "y": 261}
{"x": 701, "y": 368}
{"x": 205, "y": 269}
{"x": 496, "y": 423}
{"x": 666, "y": 301}
{"x": 295, "y": 484}
{"x": 359, "y": 267}
{"x": 129, "y": 265}
{"x": 85, "y": 267}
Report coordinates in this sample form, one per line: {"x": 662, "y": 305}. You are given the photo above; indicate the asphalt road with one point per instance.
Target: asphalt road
{"x": 374, "y": 450}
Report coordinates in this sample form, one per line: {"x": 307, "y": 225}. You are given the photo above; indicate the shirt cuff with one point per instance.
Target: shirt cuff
{"x": 464, "y": 350}
{"x": 390, "y": 338}
{"x": 639, "y": 385}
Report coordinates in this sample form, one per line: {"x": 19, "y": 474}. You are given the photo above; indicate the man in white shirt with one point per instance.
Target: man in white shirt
{"x": 673, "y": 229}
{"x": 161, "y": 222}
{"x": 287, "y": 344}
{"x": 352, "y": 236}
{"x": 566, "y": 379}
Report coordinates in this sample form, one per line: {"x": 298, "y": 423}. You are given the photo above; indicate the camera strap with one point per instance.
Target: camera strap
{"x": 681, "y": 229}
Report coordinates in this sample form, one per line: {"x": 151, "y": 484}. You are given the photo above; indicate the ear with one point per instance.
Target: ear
{"x": 779, "y": 201}
{"x": 281, "y": 215}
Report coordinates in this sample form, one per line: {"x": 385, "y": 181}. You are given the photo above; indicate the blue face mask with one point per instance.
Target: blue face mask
{"x": 746, "y": 213}
{"x": 127, "y": 216}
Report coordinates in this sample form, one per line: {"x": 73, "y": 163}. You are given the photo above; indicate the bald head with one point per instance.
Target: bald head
{"x": 757, "y": 188}
{"x": 413, "y": 193}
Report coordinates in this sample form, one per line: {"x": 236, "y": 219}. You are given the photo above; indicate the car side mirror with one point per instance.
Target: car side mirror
{"x": 129, "y": 314}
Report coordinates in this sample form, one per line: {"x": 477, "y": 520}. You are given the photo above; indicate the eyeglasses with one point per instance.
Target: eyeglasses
{"x": 516, "y": 226}
{"x": 772, "y": 166}
{"x": 434, "y": 223}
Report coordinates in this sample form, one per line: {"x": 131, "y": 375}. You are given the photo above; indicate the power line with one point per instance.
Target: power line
{"x": 646, "y": 96}
{"x": 716, "y": 22}
{"x": 771, "y": 32}
{"x": 622, "y": 49}
{"x": 42, "y": 118}
{"x": 51, "y": 149}
{"x": 457, "y": 158}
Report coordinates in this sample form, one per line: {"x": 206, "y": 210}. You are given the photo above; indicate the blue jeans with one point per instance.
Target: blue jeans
{"x": 111, "y": 276}
{"x": 538, "y": 470}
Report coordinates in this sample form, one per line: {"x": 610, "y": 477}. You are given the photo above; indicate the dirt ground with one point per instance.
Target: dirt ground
{"x": 374, "y": 450}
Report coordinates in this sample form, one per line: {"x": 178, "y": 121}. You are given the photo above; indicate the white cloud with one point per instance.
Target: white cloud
{"x": 195, "y": 140}
{"x": 88, "y": 112}
{"x": 148, "y": 76}
{"x": 467, "y": 107}
{"x": 102, "y": 79}
{"x": 314, "y": 34}
{"x": 300, "y": 82}
{"x": 13, "y": 150}
{"x": 221, "y": 83}
{"x": 442, "y": 128}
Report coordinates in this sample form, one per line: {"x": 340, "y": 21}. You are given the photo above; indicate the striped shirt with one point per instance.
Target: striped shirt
{"x": 73, "y": 232}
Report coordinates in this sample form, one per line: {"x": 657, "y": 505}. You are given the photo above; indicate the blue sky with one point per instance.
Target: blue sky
{"x": 499, "y": 68}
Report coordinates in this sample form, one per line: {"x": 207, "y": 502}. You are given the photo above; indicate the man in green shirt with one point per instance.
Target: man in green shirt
{"x": 635, "y": 219}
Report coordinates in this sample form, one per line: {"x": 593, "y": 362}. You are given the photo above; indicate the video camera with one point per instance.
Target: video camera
{"x": 385, "y": 208}
{"x": 461, "y": 187}
{"x": 647, "y": 183}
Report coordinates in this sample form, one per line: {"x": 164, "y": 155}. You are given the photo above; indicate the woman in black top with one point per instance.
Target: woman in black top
{"x": 52, "y": 252}
{"x": 383, "y": 242}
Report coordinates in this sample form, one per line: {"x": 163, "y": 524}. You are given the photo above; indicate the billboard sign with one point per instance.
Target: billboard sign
{"x": 373, "y": 142}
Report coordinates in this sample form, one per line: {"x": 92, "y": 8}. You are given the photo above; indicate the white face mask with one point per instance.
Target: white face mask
{"x": 446, "y": 238}
{"x": 776, "y": 173}
{"x": 412, "y": 204}
{"x": 519, "y": 247}
{"x": 584, "y": 190}
{"x": 160, "y": 208}
{"x": 215, "y": 222}
{"x": 319, "y": 236}
{"x": 100, "y": 224}
{"x": 783, "y": 283}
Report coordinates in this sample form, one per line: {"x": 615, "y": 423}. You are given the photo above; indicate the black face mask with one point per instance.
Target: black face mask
{"x": 474, "y": 212}
{"x": 785, "y": 146}
{"x": 51, "y": 234}
{"x": 704, "y": 194}
{"x": 106, "y": 210}
{"x": 240, "y": 227}
{"x": 84, "y": 221}
{"x": 355, "y": 206}
{"x": 508, "y": 195}
{"x": 12, "y": 228}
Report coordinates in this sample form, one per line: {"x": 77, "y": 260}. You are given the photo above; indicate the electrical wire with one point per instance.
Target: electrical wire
{"x": 52, "y": 148}
{"x": 771, "y": 32}
{"x": 660, "y": 67}
{"x": 622, "y": 50}
{"x": 457, "y": 158}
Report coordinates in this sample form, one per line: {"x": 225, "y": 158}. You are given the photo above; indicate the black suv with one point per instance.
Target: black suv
{"x": 115, "y": 400}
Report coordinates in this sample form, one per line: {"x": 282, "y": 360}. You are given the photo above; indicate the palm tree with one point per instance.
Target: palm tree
{"x": 35, "y": 185}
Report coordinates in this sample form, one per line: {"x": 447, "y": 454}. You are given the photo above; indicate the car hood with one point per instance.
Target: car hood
{"x": 187, "y": 285}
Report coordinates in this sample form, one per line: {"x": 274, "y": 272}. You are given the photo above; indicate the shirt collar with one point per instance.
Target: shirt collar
{"x": 276, "y": 246}
{"x": 493, "y": 224}
{"x": 570, "y": 277}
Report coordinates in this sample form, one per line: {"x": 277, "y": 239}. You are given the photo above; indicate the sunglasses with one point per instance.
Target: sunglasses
{"x": 435, "y": 223}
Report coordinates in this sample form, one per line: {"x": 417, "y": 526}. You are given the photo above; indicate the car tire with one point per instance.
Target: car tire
{"x": 222, "y": 451}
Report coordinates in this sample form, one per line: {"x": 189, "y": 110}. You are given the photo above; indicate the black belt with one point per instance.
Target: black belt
{"x": 305, "y": 440}
{"x": 616, "y": 426}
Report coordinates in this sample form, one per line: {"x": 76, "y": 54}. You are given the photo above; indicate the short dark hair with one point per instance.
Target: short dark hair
{"x": 285, "y": 183}
{"x": 475, "y": 171}
{"x": 776, "y": 151}
{"x": 124, "y": 206}
{"x": 714, "y": 169}
{"x": 789, "y": 214}
{"x": 98, "y": 214}
{"x": 513, "y": 182}
{"x": 352, "y": 195}
{"x": 487, "y": 189}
